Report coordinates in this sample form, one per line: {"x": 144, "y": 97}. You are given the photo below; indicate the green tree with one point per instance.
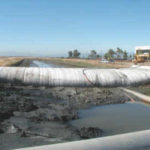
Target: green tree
{"x": 111, "y": 53}
{"x": 70, "y": 54}
{"x": 107, "y": 56}
{"x": 76, "y": 53}
{"x": 119, "y": 53}
{"x": 125, "y": 55}
{"x": 99, "y": 56}
{"x": 93, "y": 54}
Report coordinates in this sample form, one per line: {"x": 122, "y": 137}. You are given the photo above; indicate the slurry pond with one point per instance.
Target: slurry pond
{"x": 112, "y": 119}
{"x": 115, "y": 118}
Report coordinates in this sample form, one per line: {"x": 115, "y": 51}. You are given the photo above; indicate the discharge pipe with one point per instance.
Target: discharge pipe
{"x": 129, "y": 141}
{"x": 141, "y": 96}
{"x": 75, "y": 76}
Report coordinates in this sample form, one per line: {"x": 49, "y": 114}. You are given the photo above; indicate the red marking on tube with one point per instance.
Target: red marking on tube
{"x": 87, "y": 78}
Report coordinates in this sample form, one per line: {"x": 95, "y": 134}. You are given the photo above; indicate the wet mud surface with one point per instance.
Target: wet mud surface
{"x": 31, "y": 116}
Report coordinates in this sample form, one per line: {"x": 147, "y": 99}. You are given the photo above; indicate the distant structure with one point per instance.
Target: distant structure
{"x": 142, "y": 53}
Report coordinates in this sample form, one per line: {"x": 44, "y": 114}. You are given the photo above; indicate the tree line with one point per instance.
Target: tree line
{"x": 74, "y": 54}
{"x": 118, "y": 54}
{"x": 109, "y": 55}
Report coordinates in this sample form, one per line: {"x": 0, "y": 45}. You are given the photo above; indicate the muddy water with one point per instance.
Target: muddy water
{"x": 116, "y": 118}
{"x": 36, "y": 63}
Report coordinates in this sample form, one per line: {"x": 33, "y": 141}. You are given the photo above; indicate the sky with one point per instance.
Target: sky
{"x": 54, "y": 27}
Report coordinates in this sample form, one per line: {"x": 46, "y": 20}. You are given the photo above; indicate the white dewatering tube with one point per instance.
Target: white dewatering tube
{"x": 75, "y": 76}
{"x": 129, "y": 141}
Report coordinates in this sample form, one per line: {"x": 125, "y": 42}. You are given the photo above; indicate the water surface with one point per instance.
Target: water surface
{"x": 116, "y": 118}
{"x": 42, "y": 64}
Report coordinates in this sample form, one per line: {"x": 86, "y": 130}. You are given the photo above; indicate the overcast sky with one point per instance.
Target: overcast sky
{"x": 53, "y": 27}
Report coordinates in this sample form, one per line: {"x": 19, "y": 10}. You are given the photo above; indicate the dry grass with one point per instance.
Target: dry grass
{"x": 86, "y": 63}
{"x": 82, "y": 63}
{"x": 9, "y": 61}
{"x": 98, "y": 64}
{"x": 145, "y": 64}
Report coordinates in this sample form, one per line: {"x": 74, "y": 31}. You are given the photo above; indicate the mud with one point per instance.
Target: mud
{"x": 41, "y": 115}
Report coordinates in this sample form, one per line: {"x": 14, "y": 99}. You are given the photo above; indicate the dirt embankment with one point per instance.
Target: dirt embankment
{"x": 11, "y": 61}
{"x": 77, "y": 63}
{"x": 67, "y": 62}
{"x": 86, "y": 63}
{"x": 145, "y": 89}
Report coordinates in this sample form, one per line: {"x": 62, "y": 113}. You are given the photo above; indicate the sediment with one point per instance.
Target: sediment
{"x": 30, "y": 112}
